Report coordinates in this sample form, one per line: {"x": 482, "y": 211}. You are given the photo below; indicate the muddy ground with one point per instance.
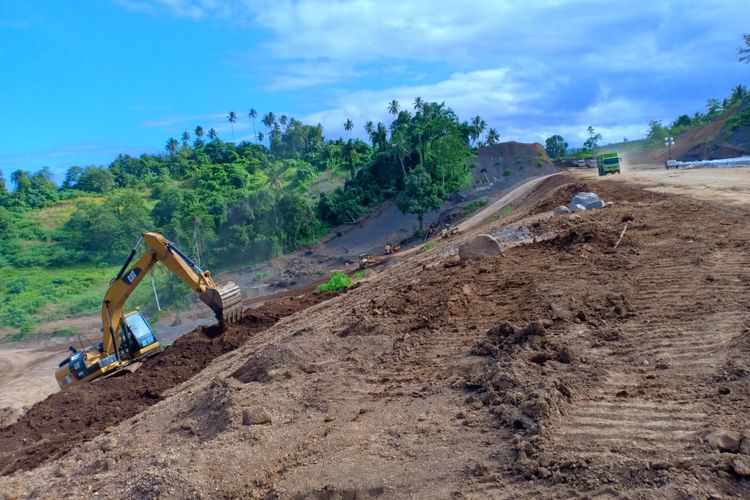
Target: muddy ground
{"x": 569, "y": 366}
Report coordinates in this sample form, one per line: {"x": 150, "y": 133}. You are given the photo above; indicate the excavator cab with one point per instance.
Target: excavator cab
{"x": 137, "y": 335}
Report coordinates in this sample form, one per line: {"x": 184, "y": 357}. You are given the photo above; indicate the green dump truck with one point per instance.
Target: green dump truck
{"x": 608, "y": 163}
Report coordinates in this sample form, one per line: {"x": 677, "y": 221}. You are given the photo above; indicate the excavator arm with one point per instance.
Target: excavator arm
{"x": 224, "y": 301}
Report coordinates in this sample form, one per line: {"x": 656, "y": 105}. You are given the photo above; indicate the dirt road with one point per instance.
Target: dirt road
{"x": 27, "y": 374}
{"x": 725, "y": 186}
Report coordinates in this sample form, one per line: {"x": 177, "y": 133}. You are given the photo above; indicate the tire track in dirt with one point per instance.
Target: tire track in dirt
{"x": 633, "y": 415}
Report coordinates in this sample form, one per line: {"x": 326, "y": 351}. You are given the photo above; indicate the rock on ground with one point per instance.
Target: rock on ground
{"x": 479, "y": 247}
{"x": 724, "y": 440}
{"x": 589, "y": 201}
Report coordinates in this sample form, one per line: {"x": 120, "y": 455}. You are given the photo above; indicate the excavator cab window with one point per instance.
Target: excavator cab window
{"x": 141, "y": 330}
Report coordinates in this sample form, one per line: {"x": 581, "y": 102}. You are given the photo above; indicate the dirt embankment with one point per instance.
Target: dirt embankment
{"x": 65, "y": 419}
{"x": 562, "y": 368}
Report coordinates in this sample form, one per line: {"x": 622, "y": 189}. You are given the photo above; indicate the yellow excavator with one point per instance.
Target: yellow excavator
{"x": 128, "y": 337}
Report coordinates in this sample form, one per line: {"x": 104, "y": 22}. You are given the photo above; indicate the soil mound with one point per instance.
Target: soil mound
{"x": 66, "y": 419}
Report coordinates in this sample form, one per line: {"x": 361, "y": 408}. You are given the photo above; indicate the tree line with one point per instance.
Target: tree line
{"x": 241, "y": 202}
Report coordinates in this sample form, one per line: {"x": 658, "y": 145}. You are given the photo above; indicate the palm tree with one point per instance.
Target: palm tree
{"x": 418, "y": 104}
{"x": 738, "y": 94}
{"x": 400, "y": 147}
{"x": 269, "y": 120}
{"x": 478, "y": 125}
{"x": 393, "y": 107}
{"x": 232, "y": 117}
{"x": 348, "y": 126}
{"x": 252, "y": 114}
{"x": 261, "y": 137}
{"x": 370, "y": 129}
{"x": 275, "y": 177}
{"x": 171, "y": 145}
{"x": 185, "y": 138}
{"x": 198, "y": 131}
{"x": 492, "y": 137}
{"x": 283, "y": 120}
{"x": 380, "y": 137}
{"x": 212, "y": 134}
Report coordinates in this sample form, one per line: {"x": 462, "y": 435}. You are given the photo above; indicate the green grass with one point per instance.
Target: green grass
{"x": 475, "y": 205}
{"x": 261, "y": 275}
{"x": 336, "y": 282}
{"x": 427, "y": 246}
{"x": 36, "y": 295}
{"x": 505, "y": 212}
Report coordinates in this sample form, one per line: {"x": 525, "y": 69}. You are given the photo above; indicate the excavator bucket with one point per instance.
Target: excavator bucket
{"x": 225, "y": 301}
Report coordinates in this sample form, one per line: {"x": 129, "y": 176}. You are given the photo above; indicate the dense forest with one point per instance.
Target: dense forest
{"x": 228, "y": 203}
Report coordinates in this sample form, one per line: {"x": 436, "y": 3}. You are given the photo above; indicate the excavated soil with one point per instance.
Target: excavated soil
{"x": 572, "y": 366}
{"x": 54, "y": 426}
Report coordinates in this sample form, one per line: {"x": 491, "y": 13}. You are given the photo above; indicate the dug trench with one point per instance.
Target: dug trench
{"x": 570, "y": 366}
{"x": 65, "y": 419}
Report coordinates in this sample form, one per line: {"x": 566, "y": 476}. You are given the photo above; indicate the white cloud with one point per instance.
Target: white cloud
{"x": 527, "y": 67}
{"x": 495, "y": 93}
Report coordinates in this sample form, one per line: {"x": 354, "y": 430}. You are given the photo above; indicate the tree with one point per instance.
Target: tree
{"x": 72, "y": 176}
{"x": 185, "y": 139}
{"x": 393, "y": 107}
{"x": 348, "y": 126}
{"x": 739, "y": 93}
{"x": 590, "y": 145}
{"x": 656, "y": 131}
{"x": 418, "y": 104}
{"x": 269, "y": 120}
{"x": 212, "y": 134}
{"x": 3, "y": 189}
{"x": 477, "y": 128}
{"x": 419, "y": 195}
{"x": 283, "y": 121}
{"x": 261, "y": 136}
{"x": 232, "y": 117}
{"x": 713, "y": 106}
{"x": 253, "y": 114}
{"x": 745, "y": 51}
{"x": 171, "y": 146}
{"x": 492, "y": 137}
{"x": 198, "y": 131}
{"x": 96, "y": 180}
{"x": 370, "y": 129}
{"x": 400, "y": 147}
{"x": 556, "y": 146}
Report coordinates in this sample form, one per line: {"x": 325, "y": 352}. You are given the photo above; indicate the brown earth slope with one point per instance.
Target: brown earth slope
{"x": 563, "y": 367}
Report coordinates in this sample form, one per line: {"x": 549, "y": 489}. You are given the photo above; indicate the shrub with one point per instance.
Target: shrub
{"x": 474, "y": 206}
{"x": 336, "y": 282}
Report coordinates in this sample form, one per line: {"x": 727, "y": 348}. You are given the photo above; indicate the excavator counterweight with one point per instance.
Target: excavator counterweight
{"x": 128, "y": 337}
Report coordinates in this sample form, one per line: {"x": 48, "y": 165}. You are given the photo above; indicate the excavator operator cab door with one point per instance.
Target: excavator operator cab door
{"x": 142, "y": 336}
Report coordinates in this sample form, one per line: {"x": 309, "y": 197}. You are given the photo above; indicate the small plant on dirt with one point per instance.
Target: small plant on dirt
{"x": 427, "y": 246}
{"x": 505, "y": 212}
{"x": 472, "y": 207}
{"x": 261, "y": 275}
{"x": 336, "y": 282}
{"x": 358, "y": 275}
{"x": 66, "y": 331}
{"x": 507, "y": 172}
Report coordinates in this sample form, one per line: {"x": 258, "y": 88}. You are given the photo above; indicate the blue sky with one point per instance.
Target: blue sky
{"x": 84, "y": 80}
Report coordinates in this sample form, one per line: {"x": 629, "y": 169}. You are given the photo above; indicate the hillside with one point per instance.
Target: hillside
{"x": 727, "y": 135}
{"x": 566, "y": 366}
{"x": 230, "y": 206}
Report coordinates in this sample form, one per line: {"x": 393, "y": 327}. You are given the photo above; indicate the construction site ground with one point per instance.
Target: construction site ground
{"x": 602, "y": 355}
